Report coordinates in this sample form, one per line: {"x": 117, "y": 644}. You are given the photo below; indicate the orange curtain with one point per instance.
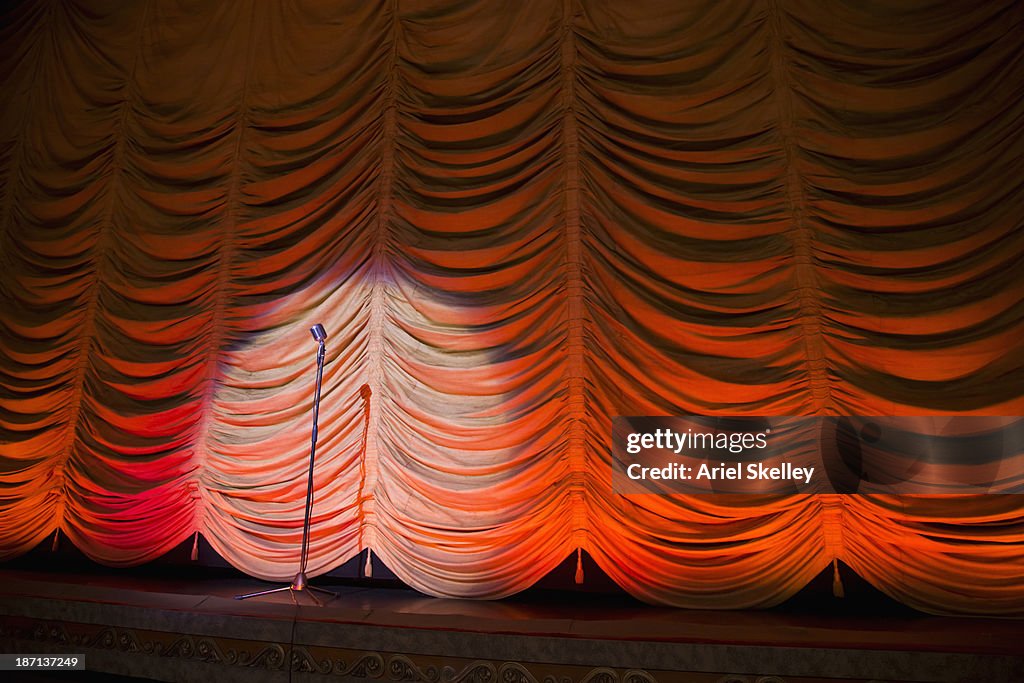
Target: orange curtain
{"x": 516, "y": 220}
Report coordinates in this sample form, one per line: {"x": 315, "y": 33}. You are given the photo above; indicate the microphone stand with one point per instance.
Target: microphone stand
{"x": 301, "y": 582}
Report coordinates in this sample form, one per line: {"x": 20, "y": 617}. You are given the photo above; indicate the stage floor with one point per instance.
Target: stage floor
{"x": 189, "y": 628}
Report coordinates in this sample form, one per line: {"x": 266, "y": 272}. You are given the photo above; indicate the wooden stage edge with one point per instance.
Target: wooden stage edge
{"x": 191, "y": 629}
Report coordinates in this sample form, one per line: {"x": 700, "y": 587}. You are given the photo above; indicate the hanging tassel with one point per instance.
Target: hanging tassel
{"x": 56, "y": 541}
{"x": 837, "y": 583}
{"x": 195, "y": 547}
{"x": 368, "y": 567}
{"x": 579, "y": 566}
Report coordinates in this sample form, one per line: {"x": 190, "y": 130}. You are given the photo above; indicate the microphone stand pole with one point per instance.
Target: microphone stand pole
{"x": 301, "y": 582}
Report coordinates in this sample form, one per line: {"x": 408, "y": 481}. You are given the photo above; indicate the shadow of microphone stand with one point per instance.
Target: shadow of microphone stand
{"x": 301, "y": 583}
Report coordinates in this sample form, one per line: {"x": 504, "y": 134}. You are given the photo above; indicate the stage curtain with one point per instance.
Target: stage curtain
{"x": 516, "y": 220}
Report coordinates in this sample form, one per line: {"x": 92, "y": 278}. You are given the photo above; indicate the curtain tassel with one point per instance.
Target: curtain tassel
{"x": 195, "y": 547}
{"x": 837, "y": 583}
{"x": 56, "y": 541}
{"x": 368, "y": 567}
{"x": 579, "y": 566}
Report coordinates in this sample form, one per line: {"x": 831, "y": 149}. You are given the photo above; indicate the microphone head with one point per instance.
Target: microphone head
{"x": 318, "y": 332}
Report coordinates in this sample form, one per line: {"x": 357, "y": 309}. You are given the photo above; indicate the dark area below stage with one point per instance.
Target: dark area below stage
{"x": 77, "y": 677}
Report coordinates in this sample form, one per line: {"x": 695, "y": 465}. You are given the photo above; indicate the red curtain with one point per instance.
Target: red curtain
{"x": 516, "y": 220}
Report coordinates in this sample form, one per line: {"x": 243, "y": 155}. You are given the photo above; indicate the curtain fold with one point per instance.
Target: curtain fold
{"x": 516, "y": 221}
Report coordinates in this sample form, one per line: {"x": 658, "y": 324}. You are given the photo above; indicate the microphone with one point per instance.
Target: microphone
{"x": 318, "y": 332}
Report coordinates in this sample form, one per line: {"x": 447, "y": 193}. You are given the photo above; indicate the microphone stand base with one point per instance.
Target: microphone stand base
{"x": 299, "y": 584}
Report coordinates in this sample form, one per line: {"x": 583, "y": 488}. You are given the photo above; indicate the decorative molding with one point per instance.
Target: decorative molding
{"x": 513, "y": 672}
{"x": 252, "y": 654}
{"x": 320, "y": 661}
{"x": 366, "y": 665}
{"x": 637, "y": 676}
{"x": 402, "y": 668}
{"x": 602, "y": 675}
